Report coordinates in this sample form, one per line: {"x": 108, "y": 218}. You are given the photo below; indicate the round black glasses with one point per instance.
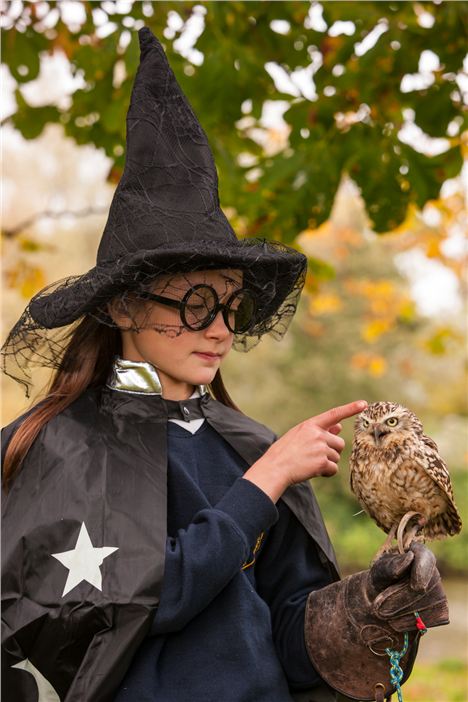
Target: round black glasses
{"x": 201, "y": 304}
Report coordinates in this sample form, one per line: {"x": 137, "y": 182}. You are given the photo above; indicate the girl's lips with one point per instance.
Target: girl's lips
{"x": 208, "y": 356}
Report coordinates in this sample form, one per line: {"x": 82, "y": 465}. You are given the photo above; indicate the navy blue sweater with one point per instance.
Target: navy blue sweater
{"x": 224, "y": 631}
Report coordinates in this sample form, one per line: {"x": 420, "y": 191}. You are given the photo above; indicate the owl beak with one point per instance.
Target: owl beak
{"x": 378, "y": 432}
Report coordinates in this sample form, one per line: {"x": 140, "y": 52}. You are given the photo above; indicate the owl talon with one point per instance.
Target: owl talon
{"x": 405, "y": 540}
{"x": 412, "y": 534}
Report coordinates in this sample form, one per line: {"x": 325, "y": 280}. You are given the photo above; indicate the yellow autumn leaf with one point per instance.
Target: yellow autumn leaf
{"x": 375, "y": 328}
{"x": 326, "y": 303}
{"x": 31, "y": 282}
{"x": 374, "y": 364}
{"x": 384, "y": 288}
{"x": 407, "y": 310}
{"x": 372, "y": 289}
{"x": 377, "y": 366}
{"x": 433, "y": 248}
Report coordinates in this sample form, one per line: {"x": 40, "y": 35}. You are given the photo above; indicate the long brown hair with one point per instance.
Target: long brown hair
{"x": 85, "y": 364}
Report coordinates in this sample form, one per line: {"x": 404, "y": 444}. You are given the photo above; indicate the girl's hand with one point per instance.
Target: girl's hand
{"x": 310, "y": 449}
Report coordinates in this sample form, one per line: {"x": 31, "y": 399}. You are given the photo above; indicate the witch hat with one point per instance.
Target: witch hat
{"x": 165, "y": 216}
{"x": 169, "y": 189}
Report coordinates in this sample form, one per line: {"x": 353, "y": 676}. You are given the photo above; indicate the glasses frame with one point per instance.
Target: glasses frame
{"x": 224, "y": 308}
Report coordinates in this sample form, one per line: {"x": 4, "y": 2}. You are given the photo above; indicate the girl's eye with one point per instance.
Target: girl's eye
{"x": 392, "y": 421}
{"x": 365, "y": 423}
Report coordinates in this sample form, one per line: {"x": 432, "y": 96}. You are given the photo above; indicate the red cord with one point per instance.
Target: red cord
{"x": 420, "y": 624}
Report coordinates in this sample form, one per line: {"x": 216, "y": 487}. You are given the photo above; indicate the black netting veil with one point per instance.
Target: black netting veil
{"x": 275, "y": 276}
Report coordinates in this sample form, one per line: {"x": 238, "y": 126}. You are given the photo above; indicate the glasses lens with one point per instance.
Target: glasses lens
{"x": 241, "y": 311}
{"x": 198, "y": 308}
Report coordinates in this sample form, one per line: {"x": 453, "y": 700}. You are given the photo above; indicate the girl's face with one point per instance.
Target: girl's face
{"x": 182, "y": 357}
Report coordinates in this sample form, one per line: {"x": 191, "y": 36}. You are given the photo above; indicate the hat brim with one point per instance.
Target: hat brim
{"x": 272, "y": 270}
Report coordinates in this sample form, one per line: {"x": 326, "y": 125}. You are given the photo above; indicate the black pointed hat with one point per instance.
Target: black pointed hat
{"x": 168, "y": 193}
{"x": 165, "y": 217}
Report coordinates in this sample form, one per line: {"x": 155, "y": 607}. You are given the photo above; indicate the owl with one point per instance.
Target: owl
{"x": 399, "y": 478}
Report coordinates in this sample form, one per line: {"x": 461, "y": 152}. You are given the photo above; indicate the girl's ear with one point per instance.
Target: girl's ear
{"x": 119, "y": 313}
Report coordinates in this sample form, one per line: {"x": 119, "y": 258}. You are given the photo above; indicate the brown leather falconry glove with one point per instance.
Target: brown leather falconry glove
{"x": 350, "y": 624}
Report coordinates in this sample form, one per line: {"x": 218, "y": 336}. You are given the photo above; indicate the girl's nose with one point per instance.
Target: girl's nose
{"x": 218, "y": 328}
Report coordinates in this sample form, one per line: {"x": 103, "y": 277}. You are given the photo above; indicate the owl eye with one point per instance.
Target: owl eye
{"x": 392, "y": 421}
{"x": 365, "y": 423}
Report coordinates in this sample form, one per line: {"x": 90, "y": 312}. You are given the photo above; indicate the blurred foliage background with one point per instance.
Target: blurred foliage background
{"x": 337, "y": 127}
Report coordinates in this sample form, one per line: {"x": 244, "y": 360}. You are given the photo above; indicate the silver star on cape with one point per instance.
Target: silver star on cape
{"x": 83, "y": 562}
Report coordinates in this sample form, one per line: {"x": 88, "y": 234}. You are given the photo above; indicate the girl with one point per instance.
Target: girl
{"x": 158, "y": 544}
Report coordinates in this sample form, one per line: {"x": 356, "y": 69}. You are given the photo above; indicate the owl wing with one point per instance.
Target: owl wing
{"x": 428, "y": 457}
{"x": 434, "y": 465}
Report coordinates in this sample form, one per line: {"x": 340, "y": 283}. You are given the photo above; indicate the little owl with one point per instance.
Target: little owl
{"x": 398, "y": 475}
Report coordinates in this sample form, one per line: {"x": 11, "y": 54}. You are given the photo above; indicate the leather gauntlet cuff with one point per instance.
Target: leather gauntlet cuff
{"x": 348, "y": 626}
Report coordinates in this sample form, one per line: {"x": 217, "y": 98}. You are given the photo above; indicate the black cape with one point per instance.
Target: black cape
{"x": 102, "y": 462}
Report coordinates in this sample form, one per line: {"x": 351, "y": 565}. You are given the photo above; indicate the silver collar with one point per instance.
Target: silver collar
{"x": 137, "y": 377}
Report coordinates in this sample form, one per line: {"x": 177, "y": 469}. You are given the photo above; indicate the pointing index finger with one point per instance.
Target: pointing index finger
{"x": 336, "y": 414}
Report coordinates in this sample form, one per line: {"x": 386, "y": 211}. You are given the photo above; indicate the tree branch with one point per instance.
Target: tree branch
{"x": 50, "y": 214}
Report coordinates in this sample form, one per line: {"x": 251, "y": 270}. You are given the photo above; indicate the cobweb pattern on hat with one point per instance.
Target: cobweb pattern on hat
{"x": 169, "y": 189}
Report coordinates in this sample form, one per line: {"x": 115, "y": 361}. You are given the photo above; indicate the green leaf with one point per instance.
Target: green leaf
{"x": 30, "y": 121}
{"x": 427, "y": 173}
{"x": 435, "y": 110}
{"x": 298, "y": 185}
{"x": 374, "y": 165}
{"x": 21, "y": 53}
